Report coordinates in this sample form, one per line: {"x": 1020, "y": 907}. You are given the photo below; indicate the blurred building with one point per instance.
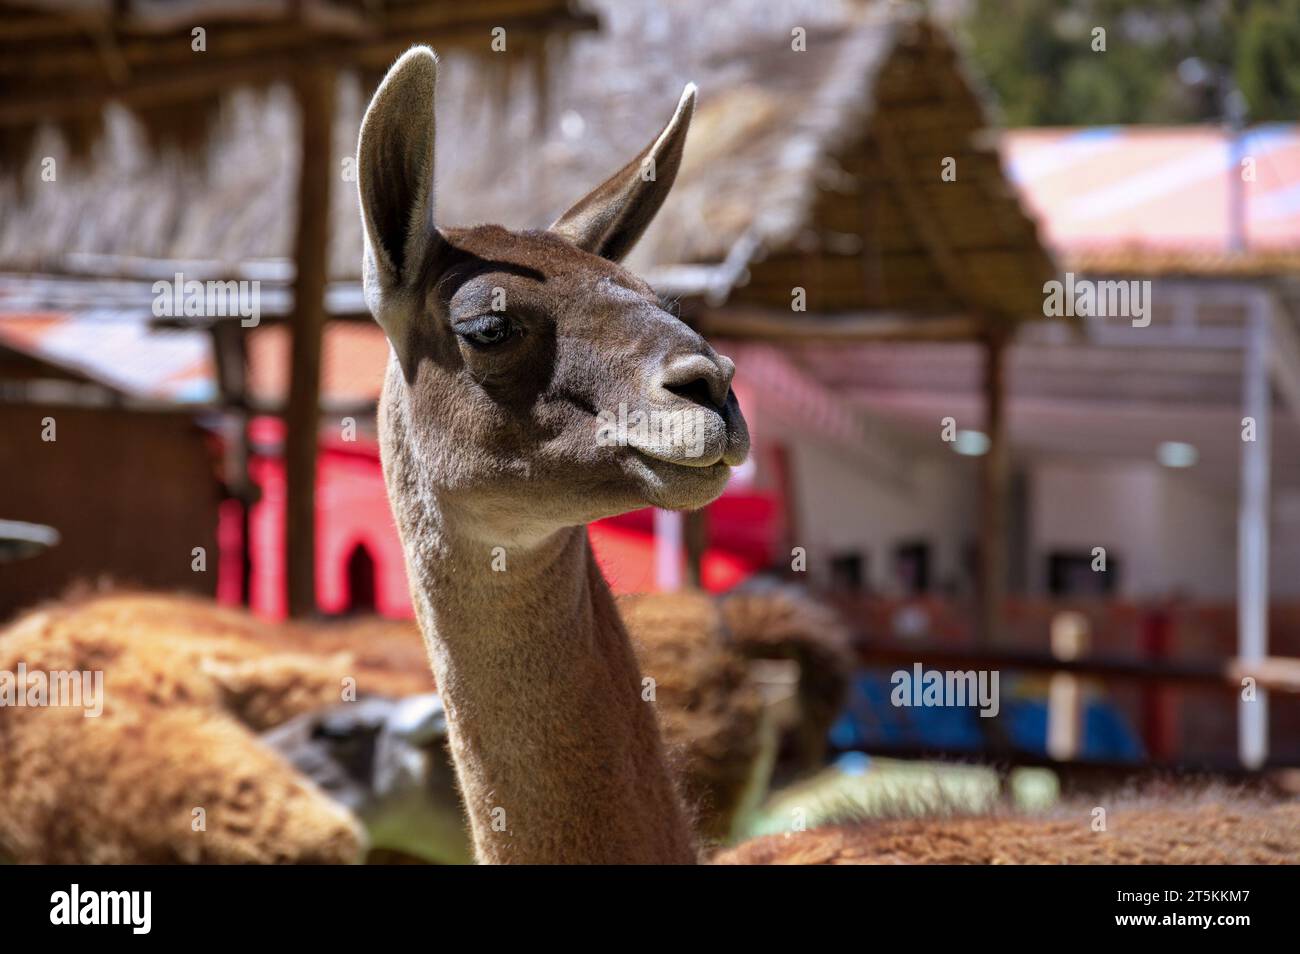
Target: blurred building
{"x": 133, "y": 491}
{"x": 786, "y": 184}
{"x": 847, "y": 223}
{"x": 111, "y": 110}
{"x": 802, "y": 130}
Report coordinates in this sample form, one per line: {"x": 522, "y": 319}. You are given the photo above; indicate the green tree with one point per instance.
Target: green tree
{"x": 1268, "y": 59}
{"x": 1165, "y": 61}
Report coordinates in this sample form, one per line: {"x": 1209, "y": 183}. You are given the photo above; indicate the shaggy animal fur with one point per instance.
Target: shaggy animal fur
{"x": 697, "y": 649}
{"x": 187, "y": 685}
{"x": 1206, "y": 832}
{"x": 709, "y": 710}
{"x": 190, "y": 683}
{"x": 779, "y": 623}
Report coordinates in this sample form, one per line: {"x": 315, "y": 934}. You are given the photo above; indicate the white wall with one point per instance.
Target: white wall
{"x": 1199, "y": 538}
{"x": 1169, "y": 532}
{"x": 841, "y": 506}
{"x": 1077, "y": 508}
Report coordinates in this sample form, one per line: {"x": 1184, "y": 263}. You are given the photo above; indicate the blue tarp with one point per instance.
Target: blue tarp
{"x": 871, "y": 720}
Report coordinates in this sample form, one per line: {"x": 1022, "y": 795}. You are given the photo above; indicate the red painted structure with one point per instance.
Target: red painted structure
{"x": 352, "y": 511}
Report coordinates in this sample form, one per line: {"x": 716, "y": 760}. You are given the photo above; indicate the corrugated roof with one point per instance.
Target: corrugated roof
{"x": 118, "y": 350}
{"x": 1156, "y": 199}
{"x": 122, "y": 352}
{"x": 352, "y": 363}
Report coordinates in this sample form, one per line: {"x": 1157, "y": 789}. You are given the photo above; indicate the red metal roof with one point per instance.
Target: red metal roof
{"x": 353, "y": 358}
{"x": 118, "y": 350}
{"x": 1154, "y": 198}
{"x": 123, "y": 352}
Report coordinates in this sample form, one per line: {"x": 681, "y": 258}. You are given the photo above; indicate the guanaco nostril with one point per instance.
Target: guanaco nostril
{"x": 698, "y": 391}
{"x": 699, "y": 379}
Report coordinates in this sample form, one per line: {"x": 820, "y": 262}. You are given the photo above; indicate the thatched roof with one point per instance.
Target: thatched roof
{"x": 784, "y": 170}
{"x": 172, "y": 62}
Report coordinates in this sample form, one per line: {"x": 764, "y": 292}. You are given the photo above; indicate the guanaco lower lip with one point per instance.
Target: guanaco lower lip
{"x": 692, "y": 463}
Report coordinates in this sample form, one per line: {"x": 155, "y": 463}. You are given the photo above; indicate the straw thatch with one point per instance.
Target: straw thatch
{"x": 172, "y": 62}
{"x": 817, "y": 168}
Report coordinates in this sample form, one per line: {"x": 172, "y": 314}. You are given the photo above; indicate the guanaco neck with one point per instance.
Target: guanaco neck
{"x": 558, "y": 754}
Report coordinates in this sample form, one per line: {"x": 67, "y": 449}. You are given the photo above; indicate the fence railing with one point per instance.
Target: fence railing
{"x": 1067, "y": 665}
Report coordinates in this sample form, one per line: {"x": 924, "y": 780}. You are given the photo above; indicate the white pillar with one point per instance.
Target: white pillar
{"x": 668, "y": 550}
{"x": 1069, "y": 638}
{"x": 1252, "y": 529}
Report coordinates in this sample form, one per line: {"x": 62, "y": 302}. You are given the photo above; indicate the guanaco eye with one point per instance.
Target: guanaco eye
{"x": 485, "y": 330}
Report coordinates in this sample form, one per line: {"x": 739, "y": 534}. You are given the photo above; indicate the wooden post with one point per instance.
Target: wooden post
{"x": 230, "y": 352}
{"x": 789, "y": 537}
{"x": 315, "y": 93}
{"x": 995, "y": 475}
{"x": 695, "y": 536}
{"x": 1065, "y": 689}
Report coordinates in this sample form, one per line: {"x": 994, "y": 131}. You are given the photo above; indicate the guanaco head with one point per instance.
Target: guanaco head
{"x": 534, "y": 381}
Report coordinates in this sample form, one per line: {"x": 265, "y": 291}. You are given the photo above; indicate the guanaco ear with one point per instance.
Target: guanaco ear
{"x": 395, "y": 171}
{"x": 610, "y": 219}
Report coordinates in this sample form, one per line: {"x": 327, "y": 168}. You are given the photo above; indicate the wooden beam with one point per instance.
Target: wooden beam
{"x": 143, "y": 92}
{"x": 1285, "y": 357}
{"x": 315, "y": 94}
{"x": 695, "y": 540}
{"x": 756, "y": 324}
{"x": 1278, "y": 673}
{"x": 995, "y": 476}
{"x": 230, "y": 355}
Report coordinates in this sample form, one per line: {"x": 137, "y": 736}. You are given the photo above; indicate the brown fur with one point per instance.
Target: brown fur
{"x": 186, "y": 686}
{"x": 245, "y": 675}
{"x": 708, "y": 707}
{"x": 187, "y": 680}
{"x": 491, "y": 453}
{"x": 1210, "y": 833}
{"x": 781, "y": 624}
